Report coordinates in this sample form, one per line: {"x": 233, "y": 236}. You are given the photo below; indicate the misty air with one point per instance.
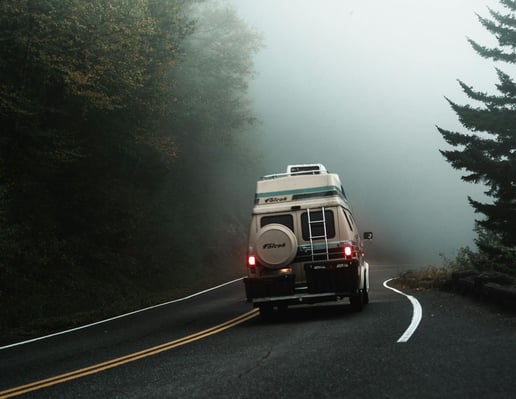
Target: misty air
{"x": 361, "y": 87}
{"x": 241, "y": 178}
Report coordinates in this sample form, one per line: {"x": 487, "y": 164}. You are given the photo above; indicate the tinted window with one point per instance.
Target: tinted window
{"x": 349, "y": 221}
{"x": 352, "y": 220}
{"x": 285, "y": 220}
{"x": 317, "y": 225}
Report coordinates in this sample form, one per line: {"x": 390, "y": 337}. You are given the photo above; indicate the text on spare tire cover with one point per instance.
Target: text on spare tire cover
{"x": 272, "y": 245}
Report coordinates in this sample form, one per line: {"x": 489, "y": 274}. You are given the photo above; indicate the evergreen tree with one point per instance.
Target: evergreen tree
{"x": 488, "y": 154}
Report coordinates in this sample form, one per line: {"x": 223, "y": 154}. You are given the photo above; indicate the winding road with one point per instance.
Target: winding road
{"x": 424, "y": 344}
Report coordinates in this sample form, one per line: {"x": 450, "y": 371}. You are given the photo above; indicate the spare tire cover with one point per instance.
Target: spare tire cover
{"x": 276, "y": 246}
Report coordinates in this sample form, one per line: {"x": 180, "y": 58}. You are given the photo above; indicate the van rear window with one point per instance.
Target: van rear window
{"x": 347, "y": 218}
{"x": 285, "y": 220}
{"x": 317, "y": 226}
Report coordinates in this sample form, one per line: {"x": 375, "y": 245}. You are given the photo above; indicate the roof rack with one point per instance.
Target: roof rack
{"x": 301, "y": 169}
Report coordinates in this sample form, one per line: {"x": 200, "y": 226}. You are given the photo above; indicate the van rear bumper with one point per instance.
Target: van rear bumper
{"x": 323, "y": 283}
{"x": 300, "y": 299}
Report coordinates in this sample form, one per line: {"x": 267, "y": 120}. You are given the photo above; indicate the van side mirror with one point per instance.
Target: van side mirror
{"x": 368, "y": 235}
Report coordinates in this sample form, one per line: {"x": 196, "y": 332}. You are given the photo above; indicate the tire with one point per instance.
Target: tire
{"x": 282, "y": 308}
{"x": 357, "y": 301}
{"x": 365, "y": 294}
{"x": 276, "y": 246}
{"x": 266, "y": 310}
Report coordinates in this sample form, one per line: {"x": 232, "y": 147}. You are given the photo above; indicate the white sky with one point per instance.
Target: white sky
{"x": 359, "y": 85}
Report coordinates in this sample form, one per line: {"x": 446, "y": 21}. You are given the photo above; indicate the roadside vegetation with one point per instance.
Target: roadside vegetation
{"x": 126, "y": 151}
{"x": 466, "y": 263}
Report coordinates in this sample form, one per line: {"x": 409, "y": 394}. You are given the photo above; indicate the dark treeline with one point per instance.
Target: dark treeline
{"x": 126, "y": 155}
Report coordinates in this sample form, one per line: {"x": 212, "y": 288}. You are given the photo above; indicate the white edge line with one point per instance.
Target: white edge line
{"x": 417, "y": 313}
{"x": 117, "y": 317}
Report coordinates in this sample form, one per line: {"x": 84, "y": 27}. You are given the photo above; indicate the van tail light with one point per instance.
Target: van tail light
{"x": 348, "y": 250}
{"x": 251, "y": 264}
{"x": 251, "y": 261}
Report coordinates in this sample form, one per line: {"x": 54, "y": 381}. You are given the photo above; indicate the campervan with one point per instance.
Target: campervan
{"x": 304, "y": 243}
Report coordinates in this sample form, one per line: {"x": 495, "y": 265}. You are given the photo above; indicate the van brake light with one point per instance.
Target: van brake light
{"x": 348, "y": 250}
{"x": 251, "y": 260}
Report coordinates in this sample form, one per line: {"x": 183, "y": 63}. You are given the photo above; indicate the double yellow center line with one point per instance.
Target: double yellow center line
{"x": 48, "y": 382}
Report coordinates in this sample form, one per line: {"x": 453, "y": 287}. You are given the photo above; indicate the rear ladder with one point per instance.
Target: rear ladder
{"x": 313, "y": 237}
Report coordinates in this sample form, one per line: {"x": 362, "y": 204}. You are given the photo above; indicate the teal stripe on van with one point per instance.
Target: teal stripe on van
{"x": 299, "y": 191}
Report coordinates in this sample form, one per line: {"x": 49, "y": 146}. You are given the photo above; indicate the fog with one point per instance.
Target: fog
{"x": 359, "y": 86}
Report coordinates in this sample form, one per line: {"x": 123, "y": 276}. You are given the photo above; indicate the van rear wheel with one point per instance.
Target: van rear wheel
{"x": 365, "y": 297}
{"x": 365, "y": 294}
{"x": 266, "y": 310}
{"x": 357, "y": 301}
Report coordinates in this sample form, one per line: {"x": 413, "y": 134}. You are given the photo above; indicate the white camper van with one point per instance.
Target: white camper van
{"x": 304, "y": 244}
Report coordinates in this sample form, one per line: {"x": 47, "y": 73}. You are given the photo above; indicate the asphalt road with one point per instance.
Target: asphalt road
{"x": 460, "y": 349}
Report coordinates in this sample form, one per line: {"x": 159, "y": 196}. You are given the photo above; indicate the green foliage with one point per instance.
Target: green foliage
{"x": 122, "y": 122}
{"x": 489, "y": 153}
{"x": 489, "y": 258}
{"x": 464, "y": 260}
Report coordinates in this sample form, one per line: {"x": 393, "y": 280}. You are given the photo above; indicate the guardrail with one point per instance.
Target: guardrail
{"x": 491, "y": 287}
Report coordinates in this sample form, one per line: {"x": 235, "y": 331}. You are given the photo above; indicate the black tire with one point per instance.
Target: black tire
{"x": 282, "y": 308}
{"x": 266, "y": 310}
{"x": 365, "y": 294}
{"x": 357, "y": 301}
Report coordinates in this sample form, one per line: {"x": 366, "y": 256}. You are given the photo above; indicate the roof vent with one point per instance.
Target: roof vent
{"x": 306, "y": 169}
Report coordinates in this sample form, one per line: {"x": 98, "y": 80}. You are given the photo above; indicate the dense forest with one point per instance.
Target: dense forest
{"x": 127, "y": 156}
